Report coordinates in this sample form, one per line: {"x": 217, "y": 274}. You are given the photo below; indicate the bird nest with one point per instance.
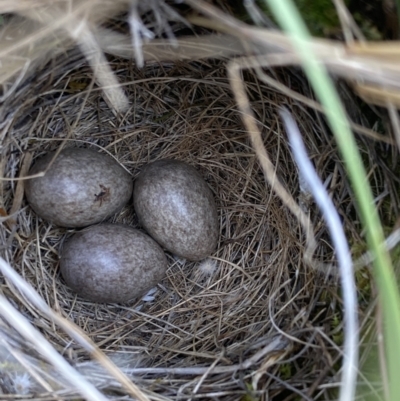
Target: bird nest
{"x": 253, "y": 319}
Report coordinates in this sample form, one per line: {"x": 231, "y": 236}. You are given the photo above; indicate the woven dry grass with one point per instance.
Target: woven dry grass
{"x": 253, "y": 320}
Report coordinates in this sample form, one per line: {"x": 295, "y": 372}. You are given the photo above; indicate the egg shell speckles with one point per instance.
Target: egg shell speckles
{"x": 177, "y": 208}
{"x": 112, "y": 263}
{"x": 81, "y": 187}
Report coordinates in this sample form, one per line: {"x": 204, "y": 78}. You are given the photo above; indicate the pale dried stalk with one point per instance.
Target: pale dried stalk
{"x": 370, "y": 66}
{"x": 23, "y": 326}
{"x": 351, "y": 338}
{"x": 75, "y": 332}
{"x": 101, "y": 69}
{"x": 395, "y": 120}
{"x": 358, "y": 63}
{"x": 79, "y": 27}
{"x": 184, "y": 48}
{"x": 349, "y": 27}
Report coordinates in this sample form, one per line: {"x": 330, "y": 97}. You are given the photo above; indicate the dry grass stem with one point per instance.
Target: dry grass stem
{"x": 23, "y": 326}
{"x": 351, "y": 328}
{"x": 19, "y": 190}
{"x": 350, "y": 29}
{"x": 251, "y": 124}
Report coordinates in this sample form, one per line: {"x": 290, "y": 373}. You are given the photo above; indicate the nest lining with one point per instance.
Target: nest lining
{"x": 223, "y": 310}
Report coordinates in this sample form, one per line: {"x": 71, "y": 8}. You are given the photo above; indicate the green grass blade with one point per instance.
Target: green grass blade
{"x": 286, "y": 13}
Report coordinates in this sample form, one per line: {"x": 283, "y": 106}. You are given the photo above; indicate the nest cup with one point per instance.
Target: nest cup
{"x": 252, "y": 318}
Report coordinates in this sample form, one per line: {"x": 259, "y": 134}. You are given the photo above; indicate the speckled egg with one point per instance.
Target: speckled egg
{"x": 81, "y": 187}
{"x": 112, "y": 263}
{"x": 177, "y": 208}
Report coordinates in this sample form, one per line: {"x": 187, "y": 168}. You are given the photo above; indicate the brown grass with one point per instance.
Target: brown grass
{"x": 253, "y": 320}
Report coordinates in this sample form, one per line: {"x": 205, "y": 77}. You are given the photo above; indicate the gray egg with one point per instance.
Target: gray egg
{"x": 80, "y": 188}
{"x": 177, "y": 208}
{"x": 112, "y": 263}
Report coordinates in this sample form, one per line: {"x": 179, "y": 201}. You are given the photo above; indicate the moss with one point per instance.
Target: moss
{"x": 335, "y": 323}
{"x": 364, "y": 288}
{"x": 249, "y": 396}
{"x": 285, "y": 371}
{"x": 320, "y": 16}
{"x": 367, "y": 27}
{"x": 322, "y": 20}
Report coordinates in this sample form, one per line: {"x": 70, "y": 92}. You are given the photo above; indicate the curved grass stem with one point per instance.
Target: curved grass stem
{"x": 289, "y": 18}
